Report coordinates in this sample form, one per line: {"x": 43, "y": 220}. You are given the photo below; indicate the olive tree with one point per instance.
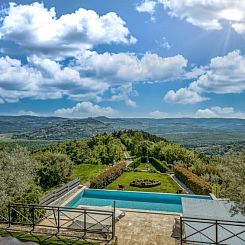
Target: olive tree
{"x": 233, "y": 177}
{"x": 17, "y": 174}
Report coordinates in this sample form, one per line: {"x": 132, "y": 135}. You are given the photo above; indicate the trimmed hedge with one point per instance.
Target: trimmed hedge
{"x": 158, "y": 165}
{"x": 135, "y": 163}
{"x": 195, "y": 183}
{"x": 108, "y": 176}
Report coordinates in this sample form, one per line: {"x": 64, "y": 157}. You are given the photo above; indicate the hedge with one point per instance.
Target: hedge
{"x": 195, "y": 183}
{"x": 158, "y": 165}
{"x": 135, "y": 163}
{"x": 108, "y": 176}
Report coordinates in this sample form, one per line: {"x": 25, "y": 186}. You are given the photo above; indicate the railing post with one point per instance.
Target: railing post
{"x": 181, "y": 229}
{"x": 216, "y": 232}
{"x": 33, "y": 217}
{"x": 58, "y": 223}
{"x": 113, "y": 219}
{"x": 85, "y": 220}
{"x": 9, "y": 214}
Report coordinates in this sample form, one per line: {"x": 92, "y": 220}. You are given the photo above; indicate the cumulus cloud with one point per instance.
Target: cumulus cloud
{"x": 44, "y": 79}
{"x": 127, "y": 67}
{"x": 38, "y": 30}
{"x": 158, "y": 114}
{"x": 217, "y": 111}
{"x": 86, "y": 109}
{"x": 147, "y": 6}
{"x": 223, "y": 75}
{"x": 208, "y": 15}
{"x": 183, "y": 96}
{"x": 87, "y": 77}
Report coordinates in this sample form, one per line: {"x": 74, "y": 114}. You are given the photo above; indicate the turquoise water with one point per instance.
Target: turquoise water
{"x": 131, "y": 200}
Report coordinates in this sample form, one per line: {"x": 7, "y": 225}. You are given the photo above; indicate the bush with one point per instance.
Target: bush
{"x": 144, "y": 183}
{"x": 135, "y": 163}
{"x": 191, "y": 180}
{"x": 108, "y": 176}
{"x": 158, "y": 165}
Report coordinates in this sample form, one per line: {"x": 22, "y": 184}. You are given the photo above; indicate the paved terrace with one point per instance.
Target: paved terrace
{"x": 145, "y": 229}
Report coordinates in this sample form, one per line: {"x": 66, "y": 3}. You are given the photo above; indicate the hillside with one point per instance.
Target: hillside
{"x": 206, "y": 135}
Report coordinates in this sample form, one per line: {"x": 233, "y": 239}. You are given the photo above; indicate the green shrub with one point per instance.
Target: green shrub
{"x": 158, "y": 165}
{"x": 108, "y": 176}
{"x": 135, "y": 163}
{"x": 191, "y": 180}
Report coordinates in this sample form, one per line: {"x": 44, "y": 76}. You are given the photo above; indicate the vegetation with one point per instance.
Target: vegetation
{"x": 52, "y": 168}
{"x": 194, "y": 182}
{"x": 209, "y": 136}
{"x": 233, "y": 179}
{"x": 144, "y": 183}
{"x": 42, "y": 239}
{"x": 143, "y": 144}
{"x": 17, "y": 177}
{"x": 101, "y": 149}
{"x": 87, "y": 172}
{"x": 168, "y": 185}
{"x": 108, "y": 176}
{"x": 158, "y": 165}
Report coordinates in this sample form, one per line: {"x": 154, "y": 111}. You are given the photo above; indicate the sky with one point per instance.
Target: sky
{"x": 130, "y": 58}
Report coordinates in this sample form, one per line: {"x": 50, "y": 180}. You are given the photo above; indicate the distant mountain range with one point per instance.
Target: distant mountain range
{"x": 192, "y": 132}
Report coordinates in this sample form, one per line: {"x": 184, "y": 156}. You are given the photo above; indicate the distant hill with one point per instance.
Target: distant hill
{"x": 191, "y": 132}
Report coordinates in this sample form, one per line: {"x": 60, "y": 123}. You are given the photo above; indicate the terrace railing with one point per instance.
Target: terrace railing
{"x": 77, "y": 223}
{"x": 209, "y": 231}
{"x": 59, "y": 193}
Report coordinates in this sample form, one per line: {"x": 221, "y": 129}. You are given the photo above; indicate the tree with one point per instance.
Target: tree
{"x": 17, "y": 174}
{"x": 233, "y": 176}
{"x": 52, "y": 168}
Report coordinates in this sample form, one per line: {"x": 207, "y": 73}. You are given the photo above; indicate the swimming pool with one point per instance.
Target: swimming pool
{"x": 131, "y": 200}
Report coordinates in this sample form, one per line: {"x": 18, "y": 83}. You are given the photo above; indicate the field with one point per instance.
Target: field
{"x": 167, "y": 184}
{"x": 86, "y": 172}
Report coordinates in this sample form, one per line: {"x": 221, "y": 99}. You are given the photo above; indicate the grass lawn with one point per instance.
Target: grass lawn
{"x": 142, "y": 166}
{"x": 42, "y": 239}
{"x": 86, "y": 172}
{"x": 167, "y": 184}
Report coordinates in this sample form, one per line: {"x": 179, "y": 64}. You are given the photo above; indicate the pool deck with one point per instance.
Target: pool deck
{"x": 145, "y": 229}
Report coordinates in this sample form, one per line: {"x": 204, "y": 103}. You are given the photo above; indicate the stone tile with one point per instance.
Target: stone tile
{"x": 145, "y": 229}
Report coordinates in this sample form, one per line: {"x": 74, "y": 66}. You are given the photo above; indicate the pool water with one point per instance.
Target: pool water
{"x": 132, "y": 200}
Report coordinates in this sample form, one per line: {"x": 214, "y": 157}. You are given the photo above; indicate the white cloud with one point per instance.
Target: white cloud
{"x": 216, "y": 112}
{"x": 207, "y": 14}
{"x": 183, "y": 96}
{"x": 25, "y": 113}
{"x": 38, "y": 30}
{"x": 86, "y": 109}
{"x": 147, "y": 6}
{"x": 44, "y": 79}
{"x": 223, "y": 75}
{"x": 158, "y": 114}
{"x": 127, "y": 67}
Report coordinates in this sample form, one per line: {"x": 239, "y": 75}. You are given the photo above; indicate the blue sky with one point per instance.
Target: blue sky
{"x": 131, "y": 58}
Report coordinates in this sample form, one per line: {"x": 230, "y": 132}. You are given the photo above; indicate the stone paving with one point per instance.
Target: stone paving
{"x": 145, "y": 229}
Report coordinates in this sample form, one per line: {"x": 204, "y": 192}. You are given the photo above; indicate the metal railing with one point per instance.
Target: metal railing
{"x": 59, "y": 193}
{"x": 210, "y": 231}
{"x": 78, "y": 223}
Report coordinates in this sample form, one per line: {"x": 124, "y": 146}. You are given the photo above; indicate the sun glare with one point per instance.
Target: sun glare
{"x": 232, "y": 14}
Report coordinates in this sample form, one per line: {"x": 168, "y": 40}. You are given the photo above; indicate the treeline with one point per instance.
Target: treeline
{"x": 140, "y": 143}
{"x": 101, "y": 149}
{"x": 25, "y": 176}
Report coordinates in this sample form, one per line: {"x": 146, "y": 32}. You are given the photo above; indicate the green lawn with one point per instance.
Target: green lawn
{"x": 86, "y": 172}
{"x": 42, "y": 239}
{"x": 142, "y": 166}
{"x": 167, "y": 184}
